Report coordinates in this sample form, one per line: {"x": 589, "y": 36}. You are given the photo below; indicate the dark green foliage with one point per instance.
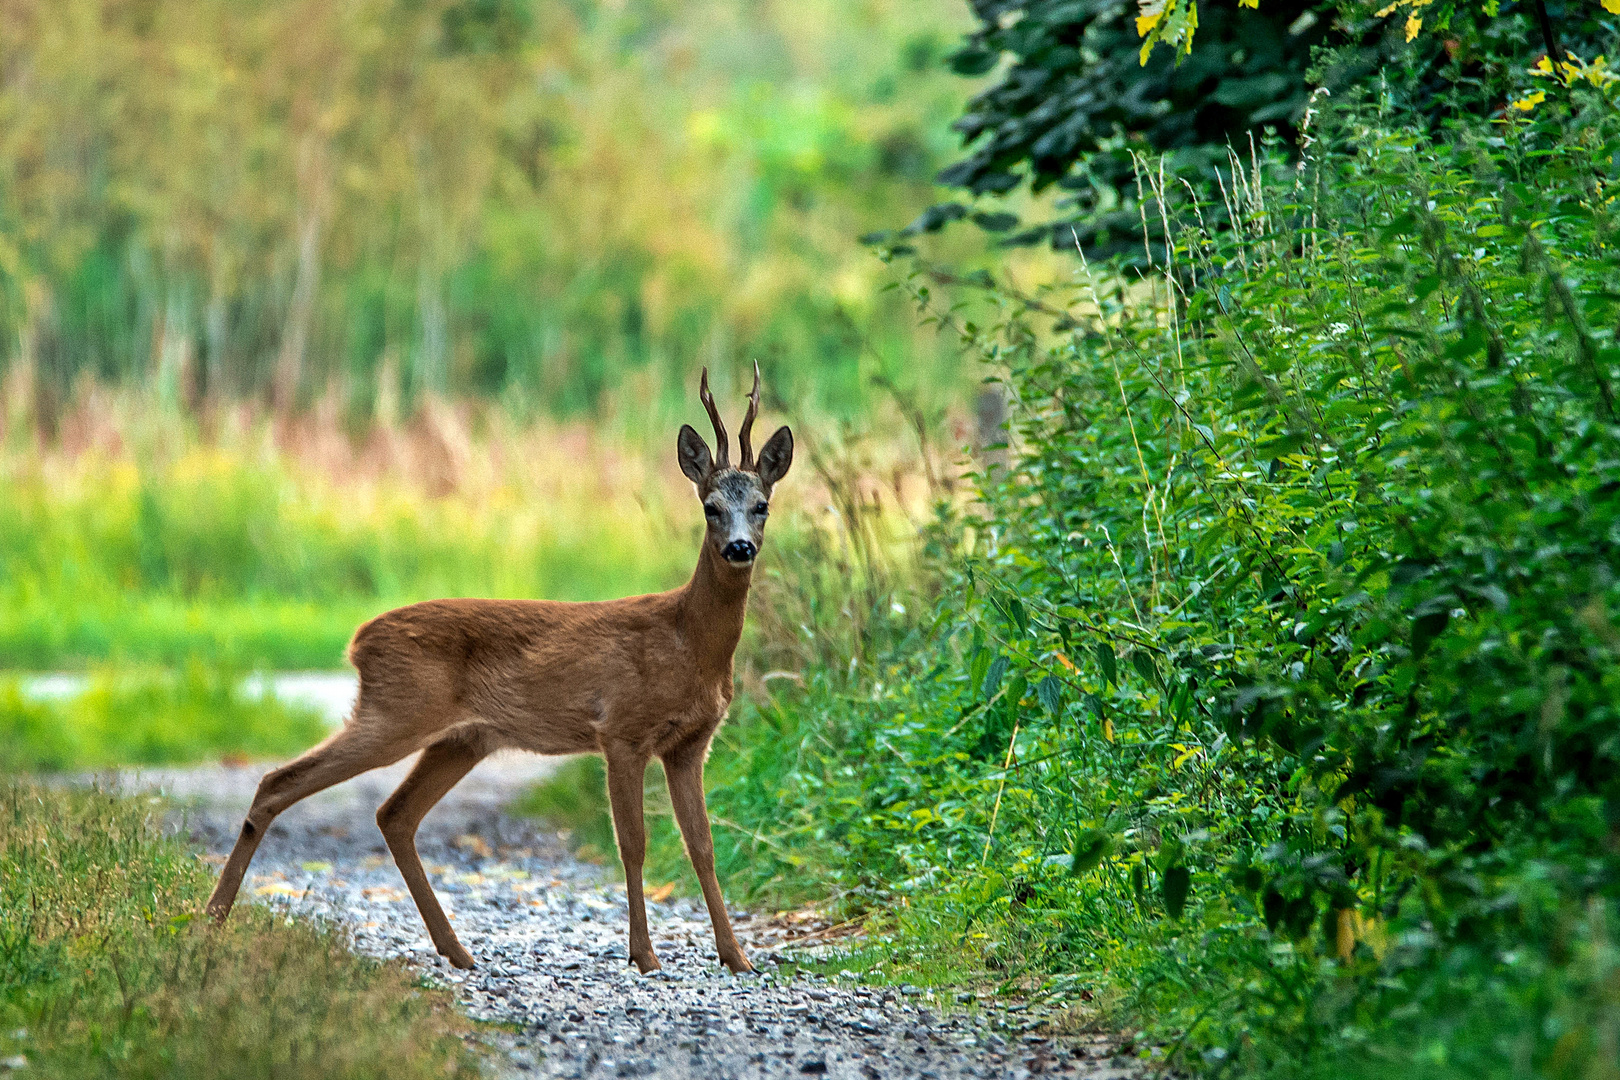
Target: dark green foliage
{"x": 486, "y": 26}
{"x": 1075, "y": 106}
{"x": 1075, "y": 82}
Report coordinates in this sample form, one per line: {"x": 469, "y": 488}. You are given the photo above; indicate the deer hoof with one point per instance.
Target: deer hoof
{"x": 458, "y": 956}
{"x": 737, "y": 964}
{"x": 646, "y": 963}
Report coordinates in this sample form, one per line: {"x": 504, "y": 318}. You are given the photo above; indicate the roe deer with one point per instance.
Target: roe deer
{"x": 632, "y": 679}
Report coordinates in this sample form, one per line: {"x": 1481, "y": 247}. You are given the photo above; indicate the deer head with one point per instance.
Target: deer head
{"x": 736, "y": 500}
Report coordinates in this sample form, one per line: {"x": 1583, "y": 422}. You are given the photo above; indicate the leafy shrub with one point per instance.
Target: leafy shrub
{"x": 1276, "y": 683}
{"x": 1078, "y": 99}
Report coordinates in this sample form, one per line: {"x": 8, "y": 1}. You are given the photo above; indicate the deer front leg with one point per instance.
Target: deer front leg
{"x": 684, "y": 771}
{"x": 626, "y": 771}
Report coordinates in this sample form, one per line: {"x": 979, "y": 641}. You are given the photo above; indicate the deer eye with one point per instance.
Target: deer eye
{"x": 711, "y": 511}
{"x": 761, "y": 508}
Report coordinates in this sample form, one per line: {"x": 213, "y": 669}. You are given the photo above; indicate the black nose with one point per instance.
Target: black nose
{"x": 739, "y": 551}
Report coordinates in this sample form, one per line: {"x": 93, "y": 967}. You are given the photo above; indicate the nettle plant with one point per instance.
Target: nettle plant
{"x": 1295, "y": 611}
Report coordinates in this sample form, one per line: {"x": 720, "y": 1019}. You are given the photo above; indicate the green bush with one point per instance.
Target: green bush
{"x": 1274, "y": 686}
{"x": 1075, "y": 102}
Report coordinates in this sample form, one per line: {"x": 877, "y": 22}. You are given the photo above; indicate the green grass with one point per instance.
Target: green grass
{"x": 41, "y": 634}
{"x": 148, "y": 716}
{"x": 106, "y": 969}
{"x": 238, "y": 557}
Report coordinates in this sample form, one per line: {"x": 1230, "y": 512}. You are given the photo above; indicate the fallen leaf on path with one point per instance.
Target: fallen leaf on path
{"x": 475, "y": 844}
{"x": 280, "y": 888}
{"x": 660, "y": 894}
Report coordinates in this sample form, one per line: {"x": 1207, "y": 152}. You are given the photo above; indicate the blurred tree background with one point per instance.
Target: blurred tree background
{"x": 539, "y": 201}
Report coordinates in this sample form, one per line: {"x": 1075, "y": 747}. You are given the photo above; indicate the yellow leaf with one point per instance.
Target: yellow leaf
{"x": 1347, "y": 934}
{"x": 1249, "y": 3}
{"x": 1144, "y": 23}
{"x": 1108, "y": 730}
{"x": 1413, "y": 25}
{"x": 279, "y": 888}
{"x": 1182, "y": 758}
{"x": 1381, "y": 12}
{"x": 1542, "y": 67}
{"x": 1611, "y": 6}
{"x": 1066, "y": 662}
{"x": 1527, "y": 103}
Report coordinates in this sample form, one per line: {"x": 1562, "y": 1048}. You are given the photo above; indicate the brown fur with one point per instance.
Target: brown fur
{"x": 632, "y": 679}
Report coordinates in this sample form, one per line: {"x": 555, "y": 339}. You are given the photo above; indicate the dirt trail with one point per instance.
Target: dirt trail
{"x": 549, "y": 934}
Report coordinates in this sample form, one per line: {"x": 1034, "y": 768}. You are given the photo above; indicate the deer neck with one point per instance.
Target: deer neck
{"x": 716, "y": 601}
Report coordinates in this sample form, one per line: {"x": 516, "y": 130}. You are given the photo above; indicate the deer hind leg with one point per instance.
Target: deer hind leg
{"x": 440, "y": 768}
{"x": 626, "y": 770}
{"x": 345, "y": 754}
{"x": 683, "y": 769}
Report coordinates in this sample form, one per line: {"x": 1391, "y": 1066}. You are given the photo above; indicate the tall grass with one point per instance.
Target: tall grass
{"x": 108, "y": 970}
{"x": 266, "y": 545}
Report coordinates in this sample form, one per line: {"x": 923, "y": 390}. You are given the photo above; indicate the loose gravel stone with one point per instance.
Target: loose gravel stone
{"x": 549, "y": 935}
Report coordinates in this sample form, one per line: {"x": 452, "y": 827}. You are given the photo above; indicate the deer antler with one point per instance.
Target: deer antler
{"x": 748, "y": 424}
{"x": 722, "y": 451}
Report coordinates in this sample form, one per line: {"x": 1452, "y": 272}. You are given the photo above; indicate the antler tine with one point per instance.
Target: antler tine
{"x": 743, "y": 448}
{"x": 722, "y": 450}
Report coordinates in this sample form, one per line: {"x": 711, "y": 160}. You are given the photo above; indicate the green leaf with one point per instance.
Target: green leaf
{"x": 992, "y": 677}
{"x": 1108, "y": 662}
{"x": 1091, "y": 847}
{"x": 1142, "y": 661}
{"x": 1050, "y": 691}
{"x": 1015, "y": 608}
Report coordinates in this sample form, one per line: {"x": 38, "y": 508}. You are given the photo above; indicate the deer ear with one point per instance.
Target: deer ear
{"x": 775, "y": 457}
{"x": 693, "y": 454}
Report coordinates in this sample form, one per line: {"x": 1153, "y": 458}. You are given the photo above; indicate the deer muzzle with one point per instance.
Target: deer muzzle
{"x": 739, "y": 551}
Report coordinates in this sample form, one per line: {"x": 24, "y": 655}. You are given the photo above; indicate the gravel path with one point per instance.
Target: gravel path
{"x": 549, "y": 935}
